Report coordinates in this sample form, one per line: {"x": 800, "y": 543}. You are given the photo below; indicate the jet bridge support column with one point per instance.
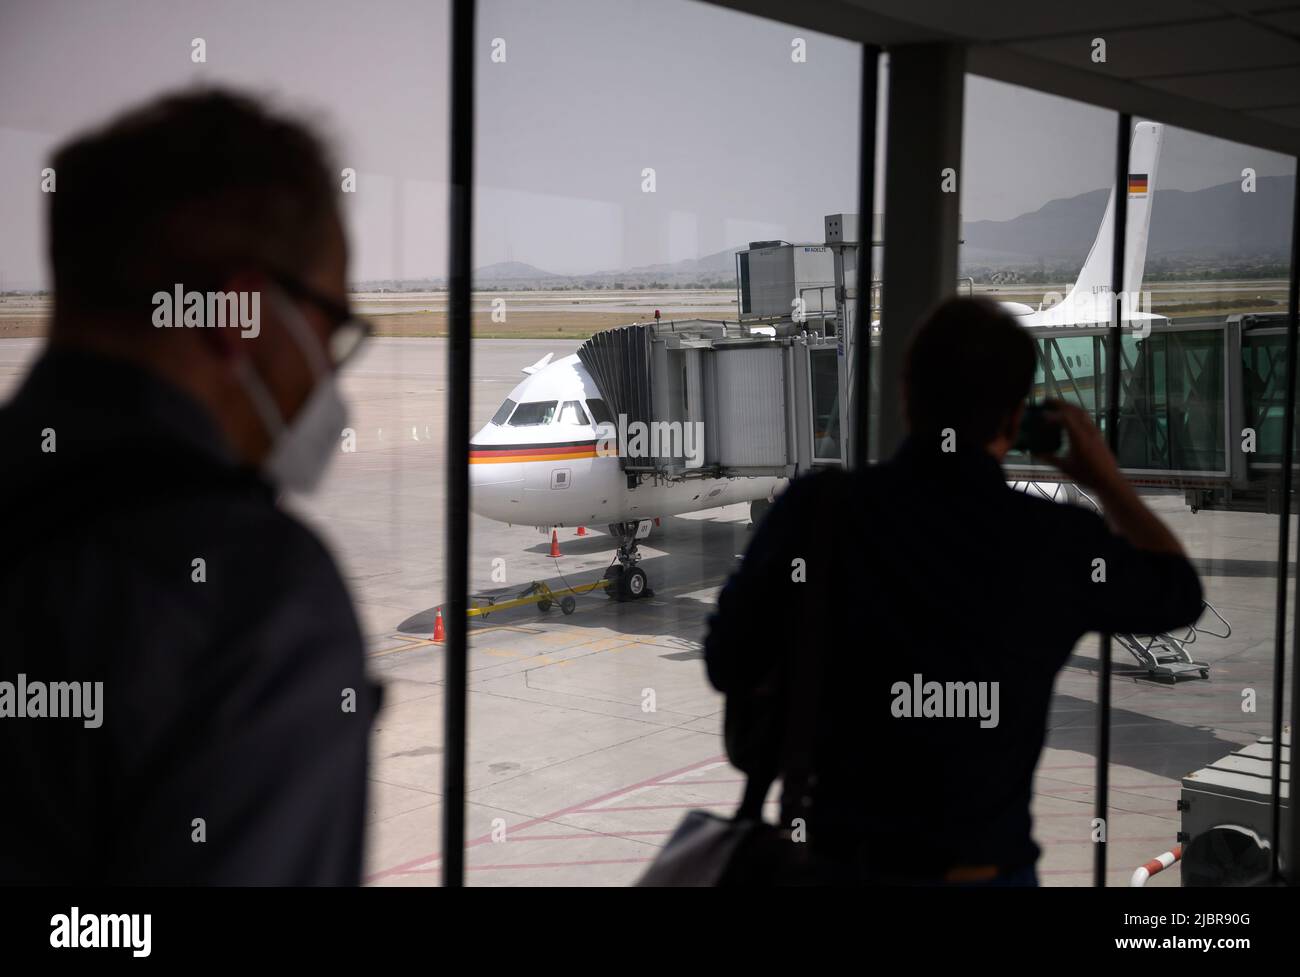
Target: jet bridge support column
{"x": 922, "y": 180}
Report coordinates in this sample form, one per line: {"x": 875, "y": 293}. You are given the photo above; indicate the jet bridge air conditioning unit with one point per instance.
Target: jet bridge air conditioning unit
{"x": 690, "y": 400}
{"x": 779, "y": 280}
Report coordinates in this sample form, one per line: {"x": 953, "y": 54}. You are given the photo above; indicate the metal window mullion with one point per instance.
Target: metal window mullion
{"x": 1283, "y": 559}
{"x": 459, "y": 337}
{"x": 866, "y": 254}
{"x": 1279, "y": 667}
{"x": 1122, "y": 141}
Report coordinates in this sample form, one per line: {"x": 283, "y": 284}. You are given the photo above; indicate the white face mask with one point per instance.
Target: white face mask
{"x": 301, "y": 448}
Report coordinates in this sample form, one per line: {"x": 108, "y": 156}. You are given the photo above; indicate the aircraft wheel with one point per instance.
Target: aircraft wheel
{"x": 758, "y": 510}
{"x": 543, "y": 605}
{"x": 634, "y": 583}
{"x": 614, "y": 588}
{"x": 568, "y": 605}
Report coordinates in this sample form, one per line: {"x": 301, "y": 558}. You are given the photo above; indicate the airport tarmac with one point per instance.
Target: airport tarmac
{"x": 577, "y": 313}
{"x": 573, "y": 779}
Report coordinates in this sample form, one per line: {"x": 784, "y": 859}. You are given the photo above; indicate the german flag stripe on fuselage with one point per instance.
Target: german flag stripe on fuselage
{"x": 1137, "y": 183}
{"x": 560, "y": 451}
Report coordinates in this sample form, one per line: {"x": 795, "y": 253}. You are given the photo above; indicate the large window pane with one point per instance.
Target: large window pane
{"x": 1038, "y": 174}
{"x": 618, "y": 187}
{"x": 376, "y": 86}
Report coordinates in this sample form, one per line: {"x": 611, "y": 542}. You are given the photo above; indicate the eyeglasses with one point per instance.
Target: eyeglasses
{"x": 347, "y": 329}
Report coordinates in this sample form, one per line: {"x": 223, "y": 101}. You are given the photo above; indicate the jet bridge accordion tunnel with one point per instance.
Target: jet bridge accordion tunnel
{"x": 1202, "y": 404}
{"x": 695, "y": 398}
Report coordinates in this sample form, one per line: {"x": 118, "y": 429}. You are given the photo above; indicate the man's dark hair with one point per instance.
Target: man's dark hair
{"x": 185, "y": 189}
{"x": 967, "y": 368}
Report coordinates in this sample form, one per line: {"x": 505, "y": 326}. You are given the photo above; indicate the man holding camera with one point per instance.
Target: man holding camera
{"x": 934, "y": 576}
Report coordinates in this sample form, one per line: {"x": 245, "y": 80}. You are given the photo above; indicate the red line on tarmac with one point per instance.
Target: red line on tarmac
{"x": 1087, "y": 873}
{"x": 590, "y": 861}
{"x": 1114, "y": 841}
{"x": 1066, "y": 871}
{"x": 1040, "y": 789}
{"x": 404, "y": 866}
{"x": 587, "y": 835}
{"x": 651, "y": 807}
{"x": 537, "y": 865}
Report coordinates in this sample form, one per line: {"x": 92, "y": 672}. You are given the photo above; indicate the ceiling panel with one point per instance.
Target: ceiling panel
{"x": 1287, "y": 20}
{"x": 1237, "y": 90}
{"x": 1175, "y": 50}
{"x": 1008, "y": 19}
{"x": 1286, "y": 117}
{"x": 1225, "y": 67}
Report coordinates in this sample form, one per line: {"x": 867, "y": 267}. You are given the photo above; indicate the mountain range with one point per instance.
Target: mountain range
{"x": 1214, "y": 224}
{"x": 1202, "y": 228}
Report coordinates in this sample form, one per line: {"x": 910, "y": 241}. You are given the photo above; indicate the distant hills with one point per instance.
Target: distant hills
{"x": 717, "y": 270}
{"x": 1202, "y": 230}
{"x": 1207, "y": 227}
{"x": 511, "y": 271}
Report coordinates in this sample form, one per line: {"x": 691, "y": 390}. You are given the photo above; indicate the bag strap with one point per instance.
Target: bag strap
{"x": 805, "y": 671}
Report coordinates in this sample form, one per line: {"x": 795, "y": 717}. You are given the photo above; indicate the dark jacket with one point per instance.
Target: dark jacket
{"x": 929, "y": 565}
{"x": 223, "y": 699}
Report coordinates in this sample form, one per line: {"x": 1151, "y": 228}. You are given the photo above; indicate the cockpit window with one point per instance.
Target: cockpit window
{"x": 531, "y": 415}
{"x": 599, "y": 412}
{"x": 572, "y": 413}
{"x": 503, "y": 412}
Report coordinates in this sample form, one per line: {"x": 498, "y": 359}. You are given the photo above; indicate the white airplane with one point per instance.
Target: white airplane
{"x": 536, "y": 462}
{"x": 1088, "y": 303}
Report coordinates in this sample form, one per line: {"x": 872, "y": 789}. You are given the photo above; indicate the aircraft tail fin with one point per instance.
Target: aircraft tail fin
{"x": 1095, "y": 277}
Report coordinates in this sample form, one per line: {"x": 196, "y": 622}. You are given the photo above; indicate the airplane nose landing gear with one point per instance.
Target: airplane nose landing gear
{"x": 627, "y": 580}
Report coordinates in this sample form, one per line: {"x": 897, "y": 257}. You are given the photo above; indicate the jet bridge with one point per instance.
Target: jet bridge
{"x": 663, "y": 382}
{"x": 1201, "y": 400}
{"x": 709, "y": 398}
{"x": 1201, "y": 404}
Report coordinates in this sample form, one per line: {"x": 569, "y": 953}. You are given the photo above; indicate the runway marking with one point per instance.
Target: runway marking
{"x": 411, "y": 643}
{"x": 523, "y": 657}
{"x": 663, "y": 807}
{"x": 587, "y": 834}
{"x": 536, "y": 865}
{"x": 1042, "y": 789}
{"x": 411, "y": 866}
{"x": 1112, "y": 842}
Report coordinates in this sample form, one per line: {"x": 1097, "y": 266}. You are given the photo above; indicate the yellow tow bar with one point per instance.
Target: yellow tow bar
{"x": 537, "y": 593}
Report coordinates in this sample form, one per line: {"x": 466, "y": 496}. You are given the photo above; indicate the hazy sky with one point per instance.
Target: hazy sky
{"x": 745, "y": 143}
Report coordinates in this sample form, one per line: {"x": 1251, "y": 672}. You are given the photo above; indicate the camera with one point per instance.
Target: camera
{"x": 1038, "y": 434}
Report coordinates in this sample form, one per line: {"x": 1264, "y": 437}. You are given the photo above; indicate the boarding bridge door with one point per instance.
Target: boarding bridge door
{"x": 747, "y": 404}
{"x": 826, "y": 421}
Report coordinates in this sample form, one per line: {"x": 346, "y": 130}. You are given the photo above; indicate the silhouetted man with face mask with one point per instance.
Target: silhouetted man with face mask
{"x": 182, "y": 690}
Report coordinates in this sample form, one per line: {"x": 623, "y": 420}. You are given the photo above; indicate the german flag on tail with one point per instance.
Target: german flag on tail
{"x": 1137, "y": 183}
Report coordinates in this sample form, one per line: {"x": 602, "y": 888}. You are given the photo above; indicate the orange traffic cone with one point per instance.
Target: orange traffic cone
{"x": 438, "y": 635}
{"x": 582, "y": 530}
{"x": 555, "y": 543}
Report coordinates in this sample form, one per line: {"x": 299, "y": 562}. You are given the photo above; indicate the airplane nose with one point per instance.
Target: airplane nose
{"x": 494, "y": 486}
